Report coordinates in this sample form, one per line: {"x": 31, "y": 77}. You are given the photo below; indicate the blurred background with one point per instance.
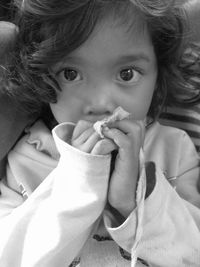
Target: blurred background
{"x": 5, "y": 10}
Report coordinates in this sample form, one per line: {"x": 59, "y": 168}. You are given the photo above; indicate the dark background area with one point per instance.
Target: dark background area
{"x": 5, "y": 13}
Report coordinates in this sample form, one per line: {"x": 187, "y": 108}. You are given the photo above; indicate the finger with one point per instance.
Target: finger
{"x": 104, "y": 147}
{"x": 119, "y": 138}
{"x": 127, "y": 126}
{"x": 82, "y": 138}
{"x": 130, "y": 128}
{"x": 80, "y": 127}
{"x": 90, "y": 143}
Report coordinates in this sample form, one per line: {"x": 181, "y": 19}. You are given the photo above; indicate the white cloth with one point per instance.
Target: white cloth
{"x": 52, "y": 201}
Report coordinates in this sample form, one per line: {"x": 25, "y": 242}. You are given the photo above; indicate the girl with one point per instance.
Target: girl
{"x": 72, "y": 198}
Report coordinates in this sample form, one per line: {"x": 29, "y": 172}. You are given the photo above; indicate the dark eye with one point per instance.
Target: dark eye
{"x": 71, "y": 75}
{"x": 129, "y": 75}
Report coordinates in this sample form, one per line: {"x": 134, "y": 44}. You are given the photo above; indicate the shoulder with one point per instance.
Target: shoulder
{"x": 171, "y": 149}
{"x": 169, "y": 134}
{"x": 169, "y": 145}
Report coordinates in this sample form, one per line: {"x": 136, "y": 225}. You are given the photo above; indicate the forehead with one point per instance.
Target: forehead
{"x": 113, "y": 38}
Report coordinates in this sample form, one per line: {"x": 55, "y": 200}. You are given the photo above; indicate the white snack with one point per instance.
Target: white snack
{"x": 118, "y": 115}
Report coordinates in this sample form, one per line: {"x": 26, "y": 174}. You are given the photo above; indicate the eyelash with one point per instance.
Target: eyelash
{"x": 77, "y": 72}
{"x": 133, "y": 69}
{"x": 62, "y": 74}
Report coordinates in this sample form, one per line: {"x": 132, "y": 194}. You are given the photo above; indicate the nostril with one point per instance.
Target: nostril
{"x": 89, "y": 112}
{"x": 108, "y": 113}
{"x": 98, "y": 111}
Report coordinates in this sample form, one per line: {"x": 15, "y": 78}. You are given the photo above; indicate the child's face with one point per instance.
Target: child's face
{"x": 114, "y": 67}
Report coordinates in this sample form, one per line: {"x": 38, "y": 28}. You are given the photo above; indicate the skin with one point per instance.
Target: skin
{"x": 115, "y": 67}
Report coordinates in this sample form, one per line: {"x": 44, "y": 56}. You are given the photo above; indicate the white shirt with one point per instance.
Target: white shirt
{"x": 54, "y": 196}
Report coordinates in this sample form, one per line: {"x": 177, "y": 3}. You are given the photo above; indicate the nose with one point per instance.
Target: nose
{"x": 101, "y": 102}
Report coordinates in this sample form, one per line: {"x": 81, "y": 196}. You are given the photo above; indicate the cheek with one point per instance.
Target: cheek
{"x": 59, "y": 112}
{"x": 138, "y": 102}
{"x": 145, "y": 95}
{"x": 67, "y": 110}
{"x": 145, "y": 103}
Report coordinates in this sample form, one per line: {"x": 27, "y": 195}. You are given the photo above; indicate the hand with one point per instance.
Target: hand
{"x": 86, "y": 139}
{"x": 129, "y": 137}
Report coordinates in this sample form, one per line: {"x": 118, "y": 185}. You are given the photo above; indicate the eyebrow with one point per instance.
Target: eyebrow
{"x": 124, "y": 58}
{"x": 134, "y": 57}
{"x": 120, "y": 60}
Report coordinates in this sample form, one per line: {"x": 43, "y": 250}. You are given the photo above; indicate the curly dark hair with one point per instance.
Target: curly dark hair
{"x": 51, "y": 29}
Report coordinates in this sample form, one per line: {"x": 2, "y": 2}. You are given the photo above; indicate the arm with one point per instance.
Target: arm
{"x": 52, "y": 225}
{"x": 169, "y": 234}
{"x": 170, "y": 229}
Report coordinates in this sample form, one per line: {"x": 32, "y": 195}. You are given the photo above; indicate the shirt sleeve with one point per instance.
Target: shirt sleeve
{"x": 52, "y": 225}
{"x": 168, "y": 232}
